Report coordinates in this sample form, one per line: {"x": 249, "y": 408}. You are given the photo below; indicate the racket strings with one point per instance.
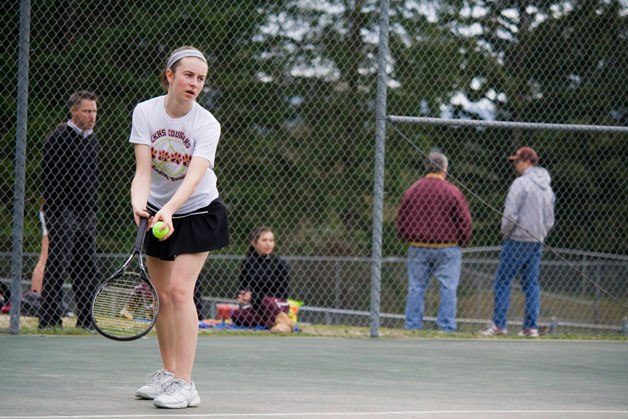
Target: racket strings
{"x": 124, "y": 306}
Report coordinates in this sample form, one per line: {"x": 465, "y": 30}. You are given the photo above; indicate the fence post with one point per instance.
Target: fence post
{"x": 378, "y": 180}
{"x": 337, "y": 289}
{"x": 20, "y": 165}
{"x": 213, "y": 310}
{"x": 624, "y": 327}
{"x": 596, "y": 301}
{"x": 553, "y": 326}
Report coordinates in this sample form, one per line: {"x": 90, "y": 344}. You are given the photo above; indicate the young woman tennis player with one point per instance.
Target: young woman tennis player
{"x": 175, "y": 143}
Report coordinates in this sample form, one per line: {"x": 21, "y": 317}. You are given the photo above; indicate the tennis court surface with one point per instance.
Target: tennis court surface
{"x": 275, "y": 377}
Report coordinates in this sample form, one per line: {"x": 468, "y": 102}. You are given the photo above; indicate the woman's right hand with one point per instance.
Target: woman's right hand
{"x": 140, "y": 213}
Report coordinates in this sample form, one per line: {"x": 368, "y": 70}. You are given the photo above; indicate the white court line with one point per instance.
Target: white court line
{"x": 334, "y": 414}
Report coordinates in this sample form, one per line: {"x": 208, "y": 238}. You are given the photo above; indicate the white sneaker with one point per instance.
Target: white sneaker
{"x": 494, "y": 331}
{"x": 178, "y": 394}
{"x": 154, "y": 384}
{"x": 530, "y": 332}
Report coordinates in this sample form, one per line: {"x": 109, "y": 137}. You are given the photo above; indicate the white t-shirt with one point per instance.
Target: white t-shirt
{"x": 173, "y": 143}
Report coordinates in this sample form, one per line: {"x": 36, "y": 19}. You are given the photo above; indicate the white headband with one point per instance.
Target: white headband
{"x": 190, "y": 52}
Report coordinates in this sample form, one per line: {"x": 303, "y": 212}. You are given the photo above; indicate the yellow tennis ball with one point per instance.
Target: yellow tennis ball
{"x": 157, "y": 229}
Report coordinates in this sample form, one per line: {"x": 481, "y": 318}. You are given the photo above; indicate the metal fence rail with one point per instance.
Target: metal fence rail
{"x": 573, "y": 308}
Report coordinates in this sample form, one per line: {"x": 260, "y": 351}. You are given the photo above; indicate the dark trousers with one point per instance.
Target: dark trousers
{"x": 71, "y": 255}
{"x": 264, "y": 315}
{"x": 198, "y": 300}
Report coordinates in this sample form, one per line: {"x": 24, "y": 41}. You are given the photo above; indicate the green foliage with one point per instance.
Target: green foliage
{"x": 297, "y": 147}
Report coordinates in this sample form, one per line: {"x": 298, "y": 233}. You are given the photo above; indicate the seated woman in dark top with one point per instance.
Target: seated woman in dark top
{"x": 264, "y": 282}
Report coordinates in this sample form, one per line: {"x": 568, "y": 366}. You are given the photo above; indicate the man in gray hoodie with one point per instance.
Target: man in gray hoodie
{"x": 527, "y": 219}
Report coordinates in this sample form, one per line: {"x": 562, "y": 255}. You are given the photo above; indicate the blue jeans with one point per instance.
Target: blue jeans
{"x": 445, "y": 265}
{"x": 518, "y": 257}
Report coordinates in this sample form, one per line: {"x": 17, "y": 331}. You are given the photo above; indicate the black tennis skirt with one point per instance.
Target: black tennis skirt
{"x": 202, "y": 230}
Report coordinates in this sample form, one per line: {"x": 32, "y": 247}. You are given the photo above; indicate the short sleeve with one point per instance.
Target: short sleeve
{"x": 207, "y": 141}
{"x": 139, "y": 127}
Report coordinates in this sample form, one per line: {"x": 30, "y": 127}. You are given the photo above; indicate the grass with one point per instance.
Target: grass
{"x": 28, "y": 325}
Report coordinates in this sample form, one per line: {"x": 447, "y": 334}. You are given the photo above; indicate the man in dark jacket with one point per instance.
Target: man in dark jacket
{"x": 70, "y": 170}
{"x": 434, "y": 219}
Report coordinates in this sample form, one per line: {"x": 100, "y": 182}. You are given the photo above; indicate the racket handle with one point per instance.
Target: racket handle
{"x": 141, "y": 233}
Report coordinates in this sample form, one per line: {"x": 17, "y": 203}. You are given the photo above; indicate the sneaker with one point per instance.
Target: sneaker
{"x": 529, "y": 332}
{"x": 89, "y": 328}
{"x": 494, "y": 331}
{"x": 154, "y": 384}
{"x": 178, "y": 394}
{"x": 49, "y": 325}
{"x": 85, "y": 325}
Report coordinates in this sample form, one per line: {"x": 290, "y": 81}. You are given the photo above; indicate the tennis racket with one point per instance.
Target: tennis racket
{"x": 125, "y": 306}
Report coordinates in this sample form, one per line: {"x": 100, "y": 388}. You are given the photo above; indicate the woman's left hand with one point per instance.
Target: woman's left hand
{"x": 166, "y": 216}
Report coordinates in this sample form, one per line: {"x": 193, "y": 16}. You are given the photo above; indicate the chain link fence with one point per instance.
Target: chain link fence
{"x": 293, "y": 84}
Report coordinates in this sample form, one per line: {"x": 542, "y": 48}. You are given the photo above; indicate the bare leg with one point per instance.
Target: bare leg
{"x": 184, "y": 274}
{"x": 159, "y": 271}
{"x": 37, "y": 279}
{"x": 177, "y": 324}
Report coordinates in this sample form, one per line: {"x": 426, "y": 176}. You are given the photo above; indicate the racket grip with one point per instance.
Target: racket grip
{"x": 141, "y": 233}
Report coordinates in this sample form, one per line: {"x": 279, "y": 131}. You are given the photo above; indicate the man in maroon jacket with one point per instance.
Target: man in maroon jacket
{"x": 435, "y": 221}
